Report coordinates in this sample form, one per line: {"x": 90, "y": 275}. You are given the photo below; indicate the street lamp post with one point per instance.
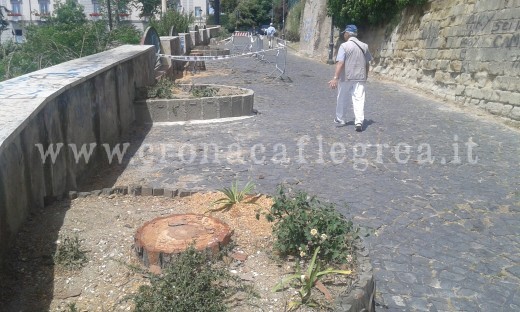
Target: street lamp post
{"x": 330, "y": 61}
{"x": 283, "y": 19}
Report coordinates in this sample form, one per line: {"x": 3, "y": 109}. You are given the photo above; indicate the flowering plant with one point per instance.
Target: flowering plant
{"x": 303, "y": 224}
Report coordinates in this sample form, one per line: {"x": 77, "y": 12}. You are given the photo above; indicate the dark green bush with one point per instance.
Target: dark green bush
{"x": 367, "y": 12}
{"x": 204, "y": 92}
{"x": 193, "y": 281}
{"x": 163, "y": 89}
{"x": 302, "y": 223}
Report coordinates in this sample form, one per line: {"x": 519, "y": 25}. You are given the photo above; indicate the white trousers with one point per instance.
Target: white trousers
{"x": 351, "y": 91}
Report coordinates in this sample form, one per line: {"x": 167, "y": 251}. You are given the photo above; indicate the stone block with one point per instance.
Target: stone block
{"x": 134, "y": 190}
{"x": 158, "y": 110}
{"x": 107, "y": 191}
{"x": 210, "y": 108}
{"x": 247, "y": 106}
{"x": 84, "y": 194}
{"x": 225, "y": 108}
{"x": 170, "y": 192}
{"x": 515, "y": 113}
{"x": 493, "y": 107}
{"x": 73, "y": 195}
{"x": 147, "y": 191}
{"x": 120, "y": 190}
{"x": 96, "y": 192}
{"x": 177, "y": 111}
{"x": 185, "y": 193}
{"x": 158, "y": 192}
{"x": 193, "y": 109}
{"x": 236, "y": 106}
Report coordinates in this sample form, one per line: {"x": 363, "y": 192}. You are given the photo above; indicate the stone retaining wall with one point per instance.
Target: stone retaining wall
{"x": 461, "y": 50}
{"x": 466, "y": 51}
{"x": 80, "y": 104}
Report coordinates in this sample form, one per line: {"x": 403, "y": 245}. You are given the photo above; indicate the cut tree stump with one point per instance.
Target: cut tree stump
{"x": 159, "y": 239}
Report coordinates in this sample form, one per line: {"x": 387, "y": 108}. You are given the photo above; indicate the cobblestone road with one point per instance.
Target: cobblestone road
{"x": 440, "y": 187}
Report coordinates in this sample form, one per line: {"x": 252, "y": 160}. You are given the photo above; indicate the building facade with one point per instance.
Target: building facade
{"x": 23, "y": 12}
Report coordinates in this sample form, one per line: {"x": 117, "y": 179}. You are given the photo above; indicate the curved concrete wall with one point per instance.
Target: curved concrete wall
{"x": 86, "y": 103}
{"x": 193, "y": 108}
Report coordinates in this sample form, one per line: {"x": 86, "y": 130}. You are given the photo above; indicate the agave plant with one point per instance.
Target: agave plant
{"x": 308, "y": 280}
{"x": 233, "y": 195}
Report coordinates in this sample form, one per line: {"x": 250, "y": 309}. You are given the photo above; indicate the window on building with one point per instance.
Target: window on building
{"x": 44, "y": 6}
{"x": 16, "y": 7}
{"x": 95, "y": 6}
{"x": 198, "y": 11}
{"x": 18, "y": 36}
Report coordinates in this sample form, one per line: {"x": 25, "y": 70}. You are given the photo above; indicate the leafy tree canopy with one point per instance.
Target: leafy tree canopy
{"x": 65, "y": 36}
{"x": 247, "y": 13}
{"x": 171, "y": 19}
{"x": 366, "y": 12}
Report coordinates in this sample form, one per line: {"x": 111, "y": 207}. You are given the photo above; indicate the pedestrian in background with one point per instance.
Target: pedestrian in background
{"x": 350, "y": 75}
{"x": 270, "y": 34}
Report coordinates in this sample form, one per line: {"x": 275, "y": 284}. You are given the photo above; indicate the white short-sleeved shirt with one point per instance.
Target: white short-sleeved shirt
{"x": 270, "y": 31}
{"x": 356, "y": 56}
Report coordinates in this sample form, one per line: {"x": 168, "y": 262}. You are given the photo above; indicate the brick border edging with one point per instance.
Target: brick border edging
{"x": 361, "y": 298}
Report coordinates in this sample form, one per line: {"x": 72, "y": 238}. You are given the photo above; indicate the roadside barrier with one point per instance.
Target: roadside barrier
{"x": 244, "y": 44}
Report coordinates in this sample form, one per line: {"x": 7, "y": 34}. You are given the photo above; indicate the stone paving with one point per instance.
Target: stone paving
{"x": 440, "y": 186}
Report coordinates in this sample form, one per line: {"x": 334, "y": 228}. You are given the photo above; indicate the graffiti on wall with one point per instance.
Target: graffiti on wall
{"x": 307, "y": 29}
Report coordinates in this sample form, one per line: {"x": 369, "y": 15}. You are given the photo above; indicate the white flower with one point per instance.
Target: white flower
{"x": 323, "y": 236}
{"x": 302, "y": 277}
{"x": 302, "y": 253}
{"x": 314, "y": 232}
{"x": 349, "y": 258}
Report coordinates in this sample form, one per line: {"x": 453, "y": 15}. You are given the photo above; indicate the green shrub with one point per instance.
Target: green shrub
{"x": 204, "y": 91}
{"x": 171, "y": 19}
{"x": 303, "y": 223}
{"x": 69, "y": 253}
{"x": 192, "y": 281}
{"x": 367, "y": 12}
{"x": 292, "y": 32}
{"x": 162, "y": 89}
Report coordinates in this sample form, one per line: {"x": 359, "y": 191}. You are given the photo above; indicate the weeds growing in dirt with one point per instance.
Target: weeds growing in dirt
{"x": 69, "y": 253}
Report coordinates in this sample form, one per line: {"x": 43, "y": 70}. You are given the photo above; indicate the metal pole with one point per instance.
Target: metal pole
{"x": 283, "y": 19}
{"x": 109, "y": 9}
{"x": 330, "y": 61}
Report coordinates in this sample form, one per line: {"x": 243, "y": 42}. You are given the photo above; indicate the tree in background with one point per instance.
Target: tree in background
{"x": 292, "y": 25}
{"x": 147, "y": 7}
{"x": 245, "y": 14}
{"x": 66, "y": 35}
{"x": 4, "y": 24}
{"x": 171, "y": 19}
{"x": 366, "y": 12}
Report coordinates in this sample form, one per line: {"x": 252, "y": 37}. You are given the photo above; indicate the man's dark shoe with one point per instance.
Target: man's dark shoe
{"x": 359, "y": 127}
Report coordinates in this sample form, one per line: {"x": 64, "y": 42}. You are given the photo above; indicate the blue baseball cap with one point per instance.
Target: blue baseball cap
{"x": 351, "y": 29}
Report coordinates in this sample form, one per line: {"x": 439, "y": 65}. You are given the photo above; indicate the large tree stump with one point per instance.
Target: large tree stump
{"x": 158, "y": 239}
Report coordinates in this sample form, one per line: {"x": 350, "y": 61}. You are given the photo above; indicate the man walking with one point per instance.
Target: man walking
{"x": 350, "y": 75}
{"x": 270, "y": 34}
